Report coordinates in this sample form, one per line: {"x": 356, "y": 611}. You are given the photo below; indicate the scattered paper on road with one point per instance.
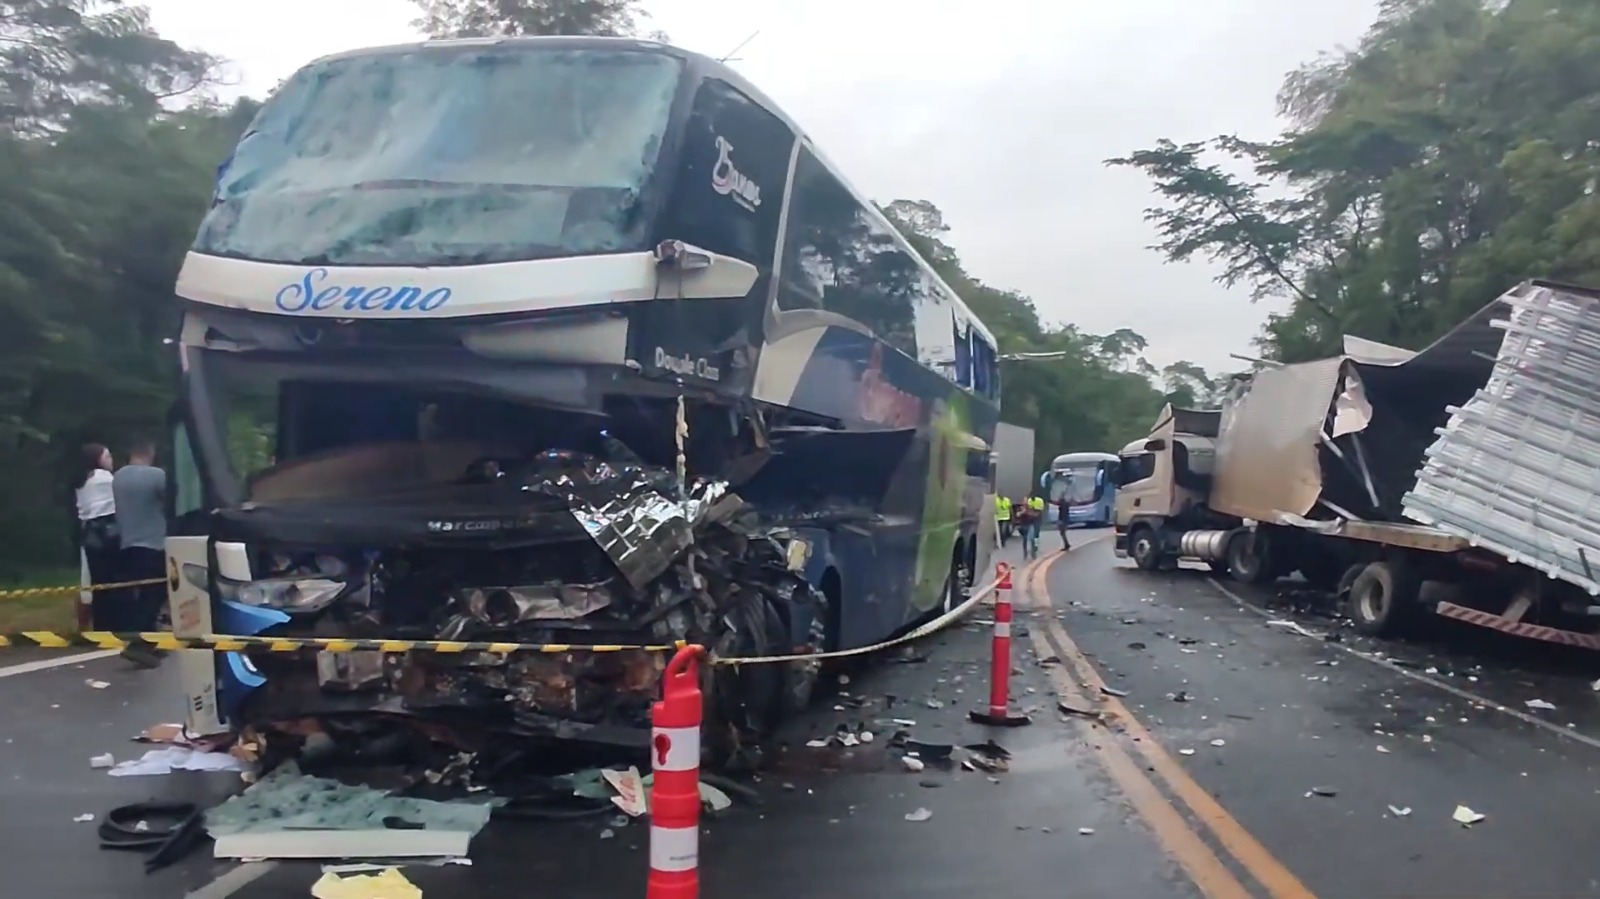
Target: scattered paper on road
{"x": 178, "y": 758}
{"x": 390, "y": 884}
{"x": 1466, "y": 817}
{"x": 630, "y": 790}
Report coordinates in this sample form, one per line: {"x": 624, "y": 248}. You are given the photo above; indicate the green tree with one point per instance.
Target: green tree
{"x": 1098, "y": 395}
{"x": 1447, "y": 156}
{"x": 482, "y": 18}
{"x": 107, "y": 157}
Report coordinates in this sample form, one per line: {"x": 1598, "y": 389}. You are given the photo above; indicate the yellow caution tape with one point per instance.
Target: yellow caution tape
{"x": 232, "y": 643}
{"x": 68, "y": 591}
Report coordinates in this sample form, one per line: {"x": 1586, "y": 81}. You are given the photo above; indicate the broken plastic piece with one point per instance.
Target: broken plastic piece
{"x": 920, "y": 814}
{"x": 1399, "y": 812}
{"x": 1466, "y": 817}
{"x": 1541, "y": 705}
{"x": 912, "y": 763}
{"x": 102, "y": 761}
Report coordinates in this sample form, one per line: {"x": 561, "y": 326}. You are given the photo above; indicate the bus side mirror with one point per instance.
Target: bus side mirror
{"x": 1155, "y": 446}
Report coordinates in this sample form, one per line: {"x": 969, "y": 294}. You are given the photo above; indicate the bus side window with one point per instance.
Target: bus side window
{"x": 840, "y": 256}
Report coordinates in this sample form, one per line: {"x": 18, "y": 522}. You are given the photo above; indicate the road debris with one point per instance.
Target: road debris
{"x": 1219, "y": 742}
{"x": 178, "y": 758}
{"x": 1466, "y": 817}
{"x": 912, "y": 763}
{"x": 1186, "y": 752}
{"x": 387, "y": 884}
{"x": 1085, "y": 831}
{"x": 1325, "y": 792}
{"x": 1113, "y": 691}
{"x": 105, "y": 760}
{"x": 630, "y": 790}
{"x": 96, "y": 684}
{"x": 1068, "y": 708}
{"x": 1383, "y": 749}
{"x": 288, "y": 814}
{"x": 1541, "y": 705}
{"x": 1399, "y": 812}
{"x": 83, "y": 818}
{"x": 1179, "y": 696}
{"x": 920, "y": 814}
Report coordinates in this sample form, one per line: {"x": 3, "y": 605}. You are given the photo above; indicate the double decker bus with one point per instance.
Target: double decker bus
{"x": 439, "y": 281}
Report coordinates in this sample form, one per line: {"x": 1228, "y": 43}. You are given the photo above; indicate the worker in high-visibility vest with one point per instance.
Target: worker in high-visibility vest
{"x": 1028, "y": 524}
{"x": 1002, "y": 517}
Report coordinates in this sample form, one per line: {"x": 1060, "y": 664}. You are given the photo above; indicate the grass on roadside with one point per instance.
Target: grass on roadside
{"x": 54, "y": 612}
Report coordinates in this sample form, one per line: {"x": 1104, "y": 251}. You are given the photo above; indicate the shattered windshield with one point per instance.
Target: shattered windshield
{"x": 299, "y": 432}
{"x": 447, "y": 156}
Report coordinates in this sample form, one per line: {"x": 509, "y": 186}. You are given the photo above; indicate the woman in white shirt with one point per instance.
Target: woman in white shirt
{"x": 97, "y": 525}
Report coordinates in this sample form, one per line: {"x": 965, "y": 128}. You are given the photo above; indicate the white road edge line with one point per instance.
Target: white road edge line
{"x": 1419, "y": 677}
{"x": 233, "y": 881}
{"x": 76, "y": 658}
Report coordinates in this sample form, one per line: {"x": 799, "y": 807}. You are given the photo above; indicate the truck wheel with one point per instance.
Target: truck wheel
{"x": 1383, "y": 598}
{"x": 1249, "y": 561}
{"x": 1144, "y": 548}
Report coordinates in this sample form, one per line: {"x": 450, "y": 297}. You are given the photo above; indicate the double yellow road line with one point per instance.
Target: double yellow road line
{"x": 1180, "y": 813}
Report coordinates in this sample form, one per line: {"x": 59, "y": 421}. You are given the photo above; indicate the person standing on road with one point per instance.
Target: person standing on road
{"x": 1062, "y": 517}
{"x": 97, "y": 527}
{"x": 140, "y": 490}
{"x": 1002, "y": 517}
{"x": 1035, "y": 522}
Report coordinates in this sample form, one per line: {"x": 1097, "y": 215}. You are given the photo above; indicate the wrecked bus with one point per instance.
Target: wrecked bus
{"x": 557, "y": 341}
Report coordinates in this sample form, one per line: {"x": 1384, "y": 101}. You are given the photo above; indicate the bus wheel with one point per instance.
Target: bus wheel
{"x": 957, "y": 585}
{"x": 800, "y": 677}
{"x": 1144, "y": 547}
{"x": 744, "y": 702}
{"x": 1383, "y": 597}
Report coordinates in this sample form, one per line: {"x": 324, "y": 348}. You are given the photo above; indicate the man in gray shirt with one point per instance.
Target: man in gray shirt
{"x": 140, "y": 490}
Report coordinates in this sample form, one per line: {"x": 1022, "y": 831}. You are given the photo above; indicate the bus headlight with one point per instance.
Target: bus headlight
{"x": 285, "y": 594}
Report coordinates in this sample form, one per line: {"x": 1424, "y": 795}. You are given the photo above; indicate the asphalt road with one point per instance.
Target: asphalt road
{"x": 1398, "y": 735}
{"x": 1114, "y": 809}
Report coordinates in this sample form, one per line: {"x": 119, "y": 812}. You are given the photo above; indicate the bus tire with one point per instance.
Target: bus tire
{"x": 1249, "y": 558}
{"x": 1145, "y": 547}
{"x": 744, "y": 703}
{"x": 1384, "y": 597}
{"x": 957, "y": 582}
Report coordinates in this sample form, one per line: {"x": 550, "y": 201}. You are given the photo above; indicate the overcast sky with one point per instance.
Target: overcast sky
{"x": 1001, "y": 119}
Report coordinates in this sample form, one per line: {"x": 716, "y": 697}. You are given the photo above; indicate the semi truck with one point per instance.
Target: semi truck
{"x": 1468, "y": 465}
{"x": 1013, "y": 448}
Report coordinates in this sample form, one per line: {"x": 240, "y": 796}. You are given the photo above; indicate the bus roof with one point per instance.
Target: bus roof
{"x": 701, "y": 66}
{"x": 1070, "y": 458}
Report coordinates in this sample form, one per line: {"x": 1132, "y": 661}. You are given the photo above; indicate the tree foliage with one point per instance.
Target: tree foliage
{"x": 1099, "y": 395}
{"x": 512, "y": 18}
{"x": 1447, "y": 156}
{"x": 102, "y": 179}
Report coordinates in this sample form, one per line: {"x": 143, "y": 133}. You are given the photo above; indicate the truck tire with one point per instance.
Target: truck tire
{"x": 1383, "y": 598}
{"x": 1250, "y": 558}
{"x": 1145, "y": 548}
